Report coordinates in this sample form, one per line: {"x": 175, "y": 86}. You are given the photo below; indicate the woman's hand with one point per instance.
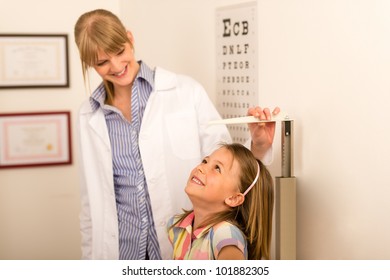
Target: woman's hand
{"x": 262, "y": 133}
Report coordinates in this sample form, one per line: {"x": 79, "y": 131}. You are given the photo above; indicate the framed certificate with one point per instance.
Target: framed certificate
{"x": 35, "y": 139}
{"x": 33, "y": 60}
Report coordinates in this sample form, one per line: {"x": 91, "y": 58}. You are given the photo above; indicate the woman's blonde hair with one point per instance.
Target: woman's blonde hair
{"x": 99, "y": 30}
{"x": 254, "y": 216}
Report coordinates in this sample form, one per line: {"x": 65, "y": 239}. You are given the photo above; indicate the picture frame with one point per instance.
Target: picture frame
{"x": 35, "y": 139}
{"x": 34, "y": 61}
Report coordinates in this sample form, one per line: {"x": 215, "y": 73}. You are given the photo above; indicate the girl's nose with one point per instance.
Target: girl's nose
{"x": 200, "y": 169}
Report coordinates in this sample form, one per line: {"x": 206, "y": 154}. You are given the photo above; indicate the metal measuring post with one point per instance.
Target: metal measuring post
{"x": 285, "y": 202}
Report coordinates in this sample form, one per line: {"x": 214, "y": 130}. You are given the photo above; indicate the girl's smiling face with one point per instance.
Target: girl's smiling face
{"x": 213, "y": 180}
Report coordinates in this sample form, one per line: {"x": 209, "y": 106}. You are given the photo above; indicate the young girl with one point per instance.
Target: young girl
{"x": 232, "y": 196}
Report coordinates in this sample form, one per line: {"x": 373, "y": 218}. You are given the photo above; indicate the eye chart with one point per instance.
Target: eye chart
{"x": 237, "y": 64}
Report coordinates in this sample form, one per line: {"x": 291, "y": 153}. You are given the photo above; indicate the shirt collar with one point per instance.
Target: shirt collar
{"x": 146, "y": 73}
{"x": 187, "y": 225}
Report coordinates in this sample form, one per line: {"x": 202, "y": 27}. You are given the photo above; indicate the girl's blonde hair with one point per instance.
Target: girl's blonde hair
{"x": 254, "y": 216}
{"x": 99, "y": 30}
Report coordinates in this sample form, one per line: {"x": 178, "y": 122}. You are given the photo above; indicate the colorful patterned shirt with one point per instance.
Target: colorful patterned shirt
{"x": 203, "y": 243}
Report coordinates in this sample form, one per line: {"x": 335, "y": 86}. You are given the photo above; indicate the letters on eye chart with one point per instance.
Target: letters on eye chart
{"x": 237, "y": 64}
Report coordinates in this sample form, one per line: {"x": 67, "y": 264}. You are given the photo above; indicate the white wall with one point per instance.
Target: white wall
{"x": 326, "y": 63}
{"x": 39, "y": 206}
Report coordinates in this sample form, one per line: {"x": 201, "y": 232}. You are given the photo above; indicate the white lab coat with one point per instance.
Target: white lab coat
{"x": 173, "y": 139}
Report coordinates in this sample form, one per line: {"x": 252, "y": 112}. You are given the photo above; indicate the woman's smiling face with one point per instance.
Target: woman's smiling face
{"x": 118, "y": 68}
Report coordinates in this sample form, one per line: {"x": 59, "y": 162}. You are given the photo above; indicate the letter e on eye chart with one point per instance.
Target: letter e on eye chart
{"x": 237, "y": 64}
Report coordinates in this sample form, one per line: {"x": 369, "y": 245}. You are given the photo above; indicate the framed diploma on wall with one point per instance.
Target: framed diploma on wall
{"x": 35, "y": 139}
{"x": 33, "y": 60}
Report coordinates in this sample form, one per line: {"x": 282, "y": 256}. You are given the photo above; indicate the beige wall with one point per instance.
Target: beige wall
{"x": 326, "y": 63}
{"x": 39, "y": 206}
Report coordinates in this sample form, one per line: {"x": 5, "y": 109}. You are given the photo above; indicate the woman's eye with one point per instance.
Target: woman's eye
{"x": 101, "y": 63}
{"x": 204, "y": 161}
{"x": 121, "y": 51}
{"x": 218, "y": 168}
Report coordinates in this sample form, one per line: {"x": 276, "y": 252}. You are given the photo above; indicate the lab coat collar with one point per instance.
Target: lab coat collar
{"x": 164, "y": 80}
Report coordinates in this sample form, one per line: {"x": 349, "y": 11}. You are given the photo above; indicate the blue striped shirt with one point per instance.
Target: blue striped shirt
{"x": 137, "y": 233}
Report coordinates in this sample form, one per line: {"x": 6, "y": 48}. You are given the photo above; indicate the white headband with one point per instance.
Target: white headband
{"x": 254, "y": 181}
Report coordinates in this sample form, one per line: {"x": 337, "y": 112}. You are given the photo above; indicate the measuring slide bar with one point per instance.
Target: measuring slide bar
{"x": 251, "y": 119}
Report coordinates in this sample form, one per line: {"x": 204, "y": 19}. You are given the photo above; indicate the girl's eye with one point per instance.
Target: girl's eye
{"x": 218, "y": 168}
{"x": 204, "y": 161}
{"x": 121, "y": 51}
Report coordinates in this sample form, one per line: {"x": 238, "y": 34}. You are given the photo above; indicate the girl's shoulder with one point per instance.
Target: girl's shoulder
{"x": 227, "y": 234}
{"x": 225, "y": 227}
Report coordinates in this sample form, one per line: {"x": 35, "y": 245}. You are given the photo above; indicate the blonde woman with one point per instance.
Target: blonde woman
{"x": 232, "y": 195}
{"x": 140, "y": 131}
